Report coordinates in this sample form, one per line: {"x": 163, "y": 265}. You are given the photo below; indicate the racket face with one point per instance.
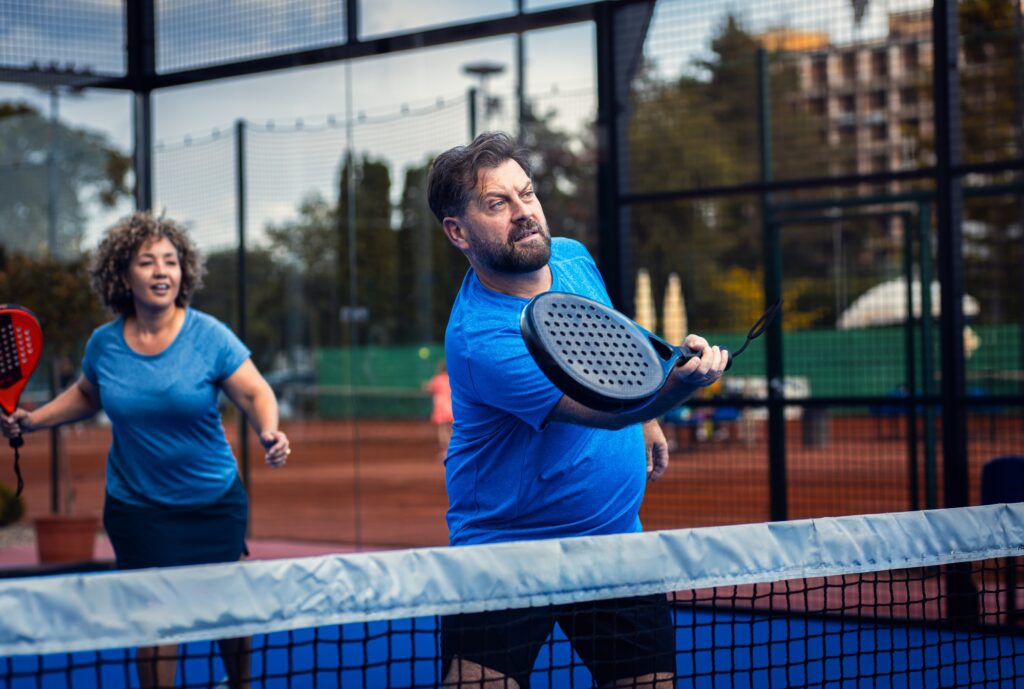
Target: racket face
{"x": 593, "y": 353}
{"x": 21, "y": 344}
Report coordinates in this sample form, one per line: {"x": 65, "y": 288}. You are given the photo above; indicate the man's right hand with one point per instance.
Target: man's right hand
{"x": 705, "y": 369}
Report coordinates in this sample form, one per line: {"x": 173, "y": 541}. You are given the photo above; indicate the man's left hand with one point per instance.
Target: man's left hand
{"x": 657, "y": 450}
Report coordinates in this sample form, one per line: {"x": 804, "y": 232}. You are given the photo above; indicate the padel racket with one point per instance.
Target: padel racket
{"x": 601, "y": 358}
{"x": 21, "y": 343}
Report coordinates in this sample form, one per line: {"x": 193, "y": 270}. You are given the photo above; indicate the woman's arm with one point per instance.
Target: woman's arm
{"x": 80, "y": 401}
{"x": 253, "y": 395}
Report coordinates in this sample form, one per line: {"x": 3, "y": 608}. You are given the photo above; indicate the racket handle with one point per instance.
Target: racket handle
{"x": 686, "y": 354}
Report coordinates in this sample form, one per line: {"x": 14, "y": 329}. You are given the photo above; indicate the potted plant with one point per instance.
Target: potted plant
{"x": 12, "y": 507}
{"x": 58, "y": 292}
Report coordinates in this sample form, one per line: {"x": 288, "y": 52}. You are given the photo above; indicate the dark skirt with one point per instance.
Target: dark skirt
{"x": 169, "y": 535}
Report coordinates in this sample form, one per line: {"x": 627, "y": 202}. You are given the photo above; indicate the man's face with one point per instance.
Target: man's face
{"x": 504, "y": 224}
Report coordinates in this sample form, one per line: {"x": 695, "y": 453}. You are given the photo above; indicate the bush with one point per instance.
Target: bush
{"x": 12, "y": 507}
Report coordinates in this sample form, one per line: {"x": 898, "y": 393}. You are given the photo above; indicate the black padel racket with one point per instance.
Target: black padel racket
{"x": 21, "y": 343}
{"x": 601, "y": 358}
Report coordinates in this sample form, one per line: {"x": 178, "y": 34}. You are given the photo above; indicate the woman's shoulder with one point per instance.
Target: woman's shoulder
{"x": 110, "y": 329}
{"x": 204, "y": 322}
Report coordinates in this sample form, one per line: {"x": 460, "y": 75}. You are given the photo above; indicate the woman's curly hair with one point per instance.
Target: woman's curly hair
{"x": 109, "y": 271}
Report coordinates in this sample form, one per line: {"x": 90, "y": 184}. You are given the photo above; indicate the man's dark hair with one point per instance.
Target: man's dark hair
{"x": 453, "y": 174}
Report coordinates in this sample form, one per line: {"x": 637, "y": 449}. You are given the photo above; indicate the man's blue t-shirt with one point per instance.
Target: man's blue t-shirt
{"x": 509, "y": 476}
{"x": 168, "y": 441}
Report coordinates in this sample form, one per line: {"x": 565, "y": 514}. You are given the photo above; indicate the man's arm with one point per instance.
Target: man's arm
{"x": 682, "y": 382}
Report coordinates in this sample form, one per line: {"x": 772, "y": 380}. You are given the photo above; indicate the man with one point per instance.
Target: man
{"x": 524, "y": 460}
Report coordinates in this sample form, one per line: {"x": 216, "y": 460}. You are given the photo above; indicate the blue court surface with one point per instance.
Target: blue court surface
{"x": 735, "y": 651}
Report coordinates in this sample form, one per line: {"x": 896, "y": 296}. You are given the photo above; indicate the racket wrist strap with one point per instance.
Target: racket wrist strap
{"x": 17, "y": 442}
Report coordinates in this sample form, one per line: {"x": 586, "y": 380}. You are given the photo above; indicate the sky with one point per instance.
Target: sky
{"x": 429, "y": 86}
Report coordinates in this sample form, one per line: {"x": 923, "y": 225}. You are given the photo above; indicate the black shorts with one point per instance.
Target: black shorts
{"x": 615, "y": 639}
{"x": 171, "y": 535}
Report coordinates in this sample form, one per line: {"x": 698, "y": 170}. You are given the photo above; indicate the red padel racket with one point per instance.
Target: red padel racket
{"x": 601, "y": 358}
{"x": 21, "y": 343}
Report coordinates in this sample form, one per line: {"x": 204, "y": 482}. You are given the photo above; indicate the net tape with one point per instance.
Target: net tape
{"x": 162, "y": 606}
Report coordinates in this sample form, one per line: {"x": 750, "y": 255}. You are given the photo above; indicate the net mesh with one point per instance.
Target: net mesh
{"x": 918, "y": 599}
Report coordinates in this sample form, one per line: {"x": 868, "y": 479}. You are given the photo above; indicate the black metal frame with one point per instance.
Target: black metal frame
{"x": 620, "y": 29}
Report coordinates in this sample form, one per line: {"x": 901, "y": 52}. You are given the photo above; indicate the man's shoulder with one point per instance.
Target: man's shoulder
{"x": 566, "y": 248}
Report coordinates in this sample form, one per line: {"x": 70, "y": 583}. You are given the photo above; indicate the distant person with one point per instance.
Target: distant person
{"x": 173, "y": 494}
{"x": 526, "y": 461}
{"x": 440, "y": 390}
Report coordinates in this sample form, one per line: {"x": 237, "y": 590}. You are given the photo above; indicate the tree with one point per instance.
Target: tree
{"x": 58, "y": 293}
{"x": 305, "y": 252}
{"x": 991, "y": 110}
{"x": 375, "y": 261}
{"x": 564, "y": 176}
{"x": 430, "y": 268}
{"x": 701, "y": 131}
{"x": 271, "y": 307}
{"x": 88, "y": 170}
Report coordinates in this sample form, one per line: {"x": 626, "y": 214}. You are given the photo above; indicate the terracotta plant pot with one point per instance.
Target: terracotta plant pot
{"x": 66, "y": 538}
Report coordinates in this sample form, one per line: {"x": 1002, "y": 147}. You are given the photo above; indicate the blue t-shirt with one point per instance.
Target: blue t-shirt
{"x": 168, "y": 441}
{"x": 509, "y": 476}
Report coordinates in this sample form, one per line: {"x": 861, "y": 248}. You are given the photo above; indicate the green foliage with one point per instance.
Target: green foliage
{"x": 12, "y": 507}
{"x": 564, "y": 177}
{"x": 58, "y": 292}
{"x": 375, "y": 257}
{"x": 430, "y": 269}
{"x": 703, "y": 131}
{"x": 83, "y": 165}
{"x": 269, "y": 299}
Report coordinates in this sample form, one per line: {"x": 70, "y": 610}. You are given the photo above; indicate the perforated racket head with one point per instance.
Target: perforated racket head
{"x": 21, "y": 344}
{"x": 593, "y": 353}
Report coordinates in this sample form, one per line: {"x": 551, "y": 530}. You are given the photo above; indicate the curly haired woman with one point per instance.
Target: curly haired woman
{"x": 174, "y": 496}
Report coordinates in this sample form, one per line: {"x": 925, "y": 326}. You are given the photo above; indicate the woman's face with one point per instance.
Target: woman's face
{"x": 154, "y": 275}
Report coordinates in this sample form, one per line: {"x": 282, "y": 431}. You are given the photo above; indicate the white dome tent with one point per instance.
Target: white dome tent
{"x": 886, "y": 304}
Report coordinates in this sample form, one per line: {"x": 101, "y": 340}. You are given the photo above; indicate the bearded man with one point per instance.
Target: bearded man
{"x": 526, "y": 461}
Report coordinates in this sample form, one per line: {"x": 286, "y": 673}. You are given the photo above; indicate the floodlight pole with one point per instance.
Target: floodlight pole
{"x": 482, "y": 70}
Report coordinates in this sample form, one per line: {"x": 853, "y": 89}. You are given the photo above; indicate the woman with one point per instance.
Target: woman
{"x": 173, "y": 495}
{"x": 441, "y": 414}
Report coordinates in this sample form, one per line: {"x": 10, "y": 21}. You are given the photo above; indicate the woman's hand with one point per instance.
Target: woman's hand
{"x": 277, "y": 447}
{"x": 18, "y": 423}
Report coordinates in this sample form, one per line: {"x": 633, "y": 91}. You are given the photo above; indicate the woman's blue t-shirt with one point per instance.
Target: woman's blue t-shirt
{"x": 509, "y": 476}
{"x": 168, "y": 443}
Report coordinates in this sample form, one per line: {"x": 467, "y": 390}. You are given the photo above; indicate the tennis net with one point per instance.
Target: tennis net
{"x": 916, "y": 599}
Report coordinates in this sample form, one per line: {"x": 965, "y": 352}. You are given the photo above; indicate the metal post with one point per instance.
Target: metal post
{"x": 779, "y": 507}
{"x": 53, "y": 219}
{"x": 910, "y": 366}
{"x": 962, "y": 604}
{"x": 614, "y": 251}
{"x": 53, "y": 176}
{"x": 521, "y": 78}
{"x": 949, "y": 208}
{"x": 142, "y": 160}
{"x": 353, "y": 296}
{"x": 1018, "y": 25}
{"x": 140, "y": 33}
{"x": 471, "y": 93}
{"x": 243, "y": 427}
{"x": 927, "y": 364}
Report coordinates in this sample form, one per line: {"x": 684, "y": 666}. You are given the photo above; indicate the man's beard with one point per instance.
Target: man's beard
{"x": 508, "y": 257}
